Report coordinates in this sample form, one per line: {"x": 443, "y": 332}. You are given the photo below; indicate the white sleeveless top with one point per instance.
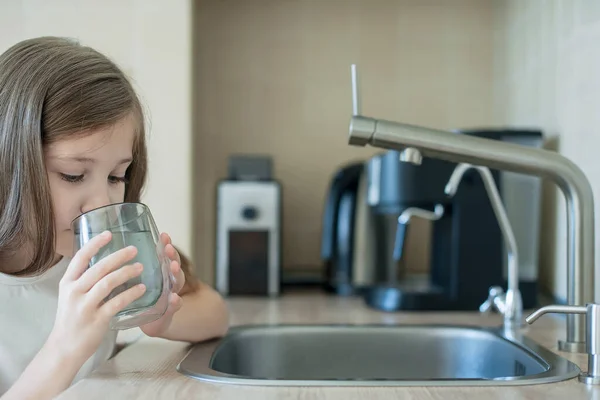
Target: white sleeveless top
{"x": 27, "y": 313}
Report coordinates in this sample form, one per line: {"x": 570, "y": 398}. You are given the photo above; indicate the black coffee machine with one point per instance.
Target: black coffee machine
{"x": 466, "y": 244}
{"x": 467, "y": 254}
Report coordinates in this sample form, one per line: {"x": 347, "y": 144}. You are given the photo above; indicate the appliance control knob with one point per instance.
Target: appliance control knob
{"x": 249, "y": 212}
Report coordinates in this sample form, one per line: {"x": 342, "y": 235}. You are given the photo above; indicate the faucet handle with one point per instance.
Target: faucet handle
{"x": 592, "y": 336}
{"x": 355, "y": 98}
{"x": 494, "y": 296}
{"x": 411, "y": 155}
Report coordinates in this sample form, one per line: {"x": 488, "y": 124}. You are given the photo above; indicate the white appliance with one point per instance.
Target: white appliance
{"x": 248, "y": 254}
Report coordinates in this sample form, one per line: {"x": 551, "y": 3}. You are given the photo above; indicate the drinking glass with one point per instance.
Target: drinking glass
{"x": 130, "y": 224}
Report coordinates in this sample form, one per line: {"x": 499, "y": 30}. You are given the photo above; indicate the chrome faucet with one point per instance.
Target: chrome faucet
{"x": 592, "y": 317}
{"x": 415, "y": 142}
{"x": 509, "y": 304}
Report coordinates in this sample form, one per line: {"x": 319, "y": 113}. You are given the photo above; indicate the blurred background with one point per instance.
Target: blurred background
{"x": 272, "y": 78}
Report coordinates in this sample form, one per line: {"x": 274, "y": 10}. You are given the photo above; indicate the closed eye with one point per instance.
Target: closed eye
{"x": 117, "y": 179}
{"x": 72, "y": 178}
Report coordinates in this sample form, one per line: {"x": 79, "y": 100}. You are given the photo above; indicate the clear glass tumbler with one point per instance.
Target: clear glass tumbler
{"x": 131, "y": 224}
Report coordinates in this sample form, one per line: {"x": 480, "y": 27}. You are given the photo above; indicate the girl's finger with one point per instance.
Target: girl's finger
{"x": 119, "y": 302}
{"x": 116, "y": 278}
{"x": 171, "y": 252}
{"x": 105, "y": 267}
{"x": 175, "y": 303}
{"x": 175, "y": 267}
{"x": 177, "y": 277}
{"x": 81, "y": 261}
{"x": 165, "y": 238}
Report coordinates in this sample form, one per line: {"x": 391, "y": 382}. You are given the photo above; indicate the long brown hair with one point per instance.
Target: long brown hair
{"x": 52, "y": 88}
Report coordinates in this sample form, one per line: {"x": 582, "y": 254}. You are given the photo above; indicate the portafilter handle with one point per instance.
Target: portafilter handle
{"x": 403, "y": 221}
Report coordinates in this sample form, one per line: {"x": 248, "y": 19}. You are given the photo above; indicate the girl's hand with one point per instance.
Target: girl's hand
{"x": 158, "y": 327}
{"x": 82, "y": 318}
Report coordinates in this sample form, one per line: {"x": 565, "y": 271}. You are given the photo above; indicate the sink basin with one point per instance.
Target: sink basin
{"x": 376, "y": 355}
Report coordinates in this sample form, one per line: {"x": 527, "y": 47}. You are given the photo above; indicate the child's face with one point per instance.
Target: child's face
{"x": 87, "y": 173}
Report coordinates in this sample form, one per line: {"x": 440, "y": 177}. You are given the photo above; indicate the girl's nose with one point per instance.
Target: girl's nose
{"x": 99, "y": 198}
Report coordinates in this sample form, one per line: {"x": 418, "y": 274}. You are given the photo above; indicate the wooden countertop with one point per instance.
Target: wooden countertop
{"x": 145, "y": 369}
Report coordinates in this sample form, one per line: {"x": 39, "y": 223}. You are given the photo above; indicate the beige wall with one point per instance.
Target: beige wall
{"x": 547, "y": 75}
{"x": 151, "y": 41}
{"x": 274, "y": 77}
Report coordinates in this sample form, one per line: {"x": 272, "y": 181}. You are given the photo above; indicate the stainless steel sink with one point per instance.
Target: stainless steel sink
{"x": 376, "y": 355}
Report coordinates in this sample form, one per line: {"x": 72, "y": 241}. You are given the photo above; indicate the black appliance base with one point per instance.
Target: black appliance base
{"x": 396, "y": 298}
{"x": 427, "y": 297}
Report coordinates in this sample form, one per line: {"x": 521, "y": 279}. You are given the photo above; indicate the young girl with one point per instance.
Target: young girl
{"x": 72, "y": 139}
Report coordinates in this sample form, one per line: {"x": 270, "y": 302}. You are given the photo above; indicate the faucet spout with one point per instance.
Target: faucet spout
{"x": 570, "y": 179}
{"x": 509, "y": 304}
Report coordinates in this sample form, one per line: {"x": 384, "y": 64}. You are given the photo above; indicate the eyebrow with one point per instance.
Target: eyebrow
{"x": 87, "y": 160}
